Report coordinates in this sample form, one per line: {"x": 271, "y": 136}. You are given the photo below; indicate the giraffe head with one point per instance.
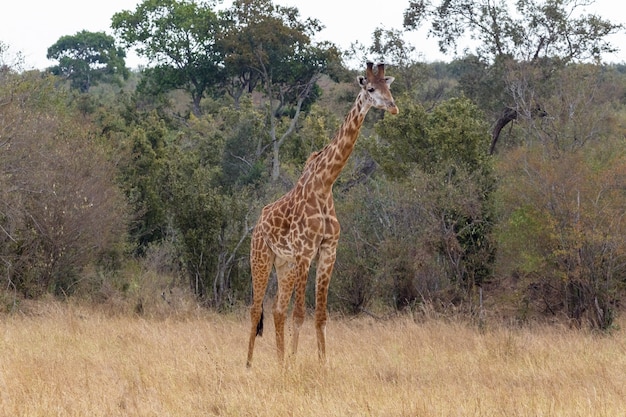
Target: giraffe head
{"x": 376, "y": 88}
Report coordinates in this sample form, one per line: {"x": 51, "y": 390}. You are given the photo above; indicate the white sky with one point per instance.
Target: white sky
{"x": 31, "y": 26}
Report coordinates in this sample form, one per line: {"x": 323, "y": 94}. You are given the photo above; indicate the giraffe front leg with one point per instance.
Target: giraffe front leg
{"x": 285, "y": 276}
{"x": 321, "y": 316}
{"x": 325, "y": 266}
{"x": 279, "y": 324}
{"x": 256, "y": 317}
{"x": 299, "y": 311}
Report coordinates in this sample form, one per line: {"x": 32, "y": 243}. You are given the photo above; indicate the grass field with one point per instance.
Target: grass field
{"x": 66, "y": 360}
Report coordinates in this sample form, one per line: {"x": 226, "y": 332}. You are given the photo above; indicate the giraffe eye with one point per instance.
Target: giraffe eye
{"x": 371, "y": 89}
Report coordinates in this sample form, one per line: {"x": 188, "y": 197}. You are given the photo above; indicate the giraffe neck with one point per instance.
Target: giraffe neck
{"x": 334, "y": 156}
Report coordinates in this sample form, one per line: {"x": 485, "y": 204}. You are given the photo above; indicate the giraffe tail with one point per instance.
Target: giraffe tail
{"x": 259, "y": 326}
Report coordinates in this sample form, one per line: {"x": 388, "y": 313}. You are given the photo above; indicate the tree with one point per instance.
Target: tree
{"x": 544, "y": 34}
{"x": 241, "y": 129}
{"x": 141, "y": 163}
{"x": 209, "y": 226}
{"x": 536, "y": 29}
{"x": 87, "y": 58}
{"x": 268, "y": 46}
{"x": 449, "y": 136}
{"x": 179, "y": 39}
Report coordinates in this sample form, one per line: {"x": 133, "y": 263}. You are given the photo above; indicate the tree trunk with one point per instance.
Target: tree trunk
{"x": 508, "y": 115}
{"x": 196, "y": 105}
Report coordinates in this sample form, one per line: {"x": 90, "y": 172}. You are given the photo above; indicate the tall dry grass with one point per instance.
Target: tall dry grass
{"x": 68, "y": 360}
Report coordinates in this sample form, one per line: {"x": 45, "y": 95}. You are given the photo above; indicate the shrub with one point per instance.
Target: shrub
{"x": 59, "y": 207}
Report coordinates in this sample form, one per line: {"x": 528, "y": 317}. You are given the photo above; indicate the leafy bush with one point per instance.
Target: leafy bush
{"x": 438, "y": 161}
{"x": 562, "y": 229}
{"x": 59, "y": 207}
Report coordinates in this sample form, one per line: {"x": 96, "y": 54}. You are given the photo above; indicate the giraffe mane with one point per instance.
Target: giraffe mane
{"x": 311, "y": 158}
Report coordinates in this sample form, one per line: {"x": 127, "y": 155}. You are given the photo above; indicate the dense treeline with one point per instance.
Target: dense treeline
{"x": 500, "y": 186}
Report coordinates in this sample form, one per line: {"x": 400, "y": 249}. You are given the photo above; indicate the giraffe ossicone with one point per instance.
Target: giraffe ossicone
{"x": 302, "y": 226}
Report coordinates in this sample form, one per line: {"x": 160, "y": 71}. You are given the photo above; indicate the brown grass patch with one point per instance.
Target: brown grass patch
{"x": 73, "y": 361}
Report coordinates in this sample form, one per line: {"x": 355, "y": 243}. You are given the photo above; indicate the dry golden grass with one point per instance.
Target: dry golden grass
{"x": 75, "y": 361}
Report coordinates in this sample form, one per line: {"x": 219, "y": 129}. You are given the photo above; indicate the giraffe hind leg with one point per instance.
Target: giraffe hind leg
{"x": 285, "y": 274}
{"x": 261, "y": 260}
{"x": 256, "y": 318}
{"x": 325, "y": 266}
{"x": 299, "y": 309}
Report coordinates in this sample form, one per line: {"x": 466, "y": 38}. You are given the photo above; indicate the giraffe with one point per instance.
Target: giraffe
{"x": 302, "y": 226}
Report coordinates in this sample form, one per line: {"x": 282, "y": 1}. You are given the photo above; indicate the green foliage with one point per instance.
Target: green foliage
{"x": 456, "y": 129}
{"x": 198, "y": 214}
{"x": 452, "y": 135}
{"x": 448, "y": 145}
{"x": 141, "y": 171}
{"x": 87, "y": 58}
{"x": 260, "y": 38}
{"x": 269, "y": 48}
{"x": 244, "y": 132}
{"x": 518, "y": 52}
{"x": 252, "y": 45}
{"x": 403, "y": 142}
{"x": 389, "y": 45}
{"x": 209, "y": 225}
{"x": 579, "y": 103}
{"x": 481, "y": 82}
{"x": 525, "y": 225}
{"x": 175, "y": 182}
{"x": 317, "y": 129}
{"x": 179, "y": 37}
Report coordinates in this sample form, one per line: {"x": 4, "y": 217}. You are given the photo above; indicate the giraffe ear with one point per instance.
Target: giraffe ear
{"x": 389, "y": 80}
{"x": 361, "y": 80}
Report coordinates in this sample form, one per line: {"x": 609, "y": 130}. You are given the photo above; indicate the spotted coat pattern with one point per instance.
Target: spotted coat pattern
{"x": 302, "y": 226}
